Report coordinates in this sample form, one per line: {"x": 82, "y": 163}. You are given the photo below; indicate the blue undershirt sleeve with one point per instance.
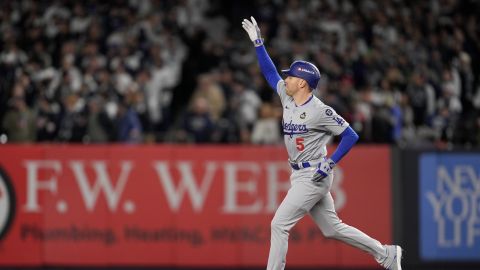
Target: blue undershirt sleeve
{"x": 349, "y": 138}
{"x": 267, "y": 67}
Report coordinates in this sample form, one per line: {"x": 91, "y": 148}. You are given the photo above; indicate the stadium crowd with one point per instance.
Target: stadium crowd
{"x": 400, "y": 72}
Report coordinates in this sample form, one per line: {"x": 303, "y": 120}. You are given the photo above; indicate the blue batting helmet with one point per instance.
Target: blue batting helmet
{"x": 305, "y": 70}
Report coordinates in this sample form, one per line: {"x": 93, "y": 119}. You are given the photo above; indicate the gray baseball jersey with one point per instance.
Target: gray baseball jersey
{"x": 308, "y": 128}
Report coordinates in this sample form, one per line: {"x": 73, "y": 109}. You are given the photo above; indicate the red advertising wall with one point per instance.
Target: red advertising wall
{"x": 175, "y": 206}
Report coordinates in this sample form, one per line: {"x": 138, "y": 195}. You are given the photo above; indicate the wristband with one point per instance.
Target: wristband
{"x": 258, "y": 42}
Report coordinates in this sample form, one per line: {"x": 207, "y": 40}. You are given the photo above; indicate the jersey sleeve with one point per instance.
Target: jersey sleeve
{"x": 331, "y": 121}
{"x": 282, "y": 91}
{"x": 267, "y": 67}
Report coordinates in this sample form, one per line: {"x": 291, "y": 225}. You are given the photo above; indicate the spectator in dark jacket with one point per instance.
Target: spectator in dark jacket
{"x": 198, "y": 124}
{"x": 129, "y": 126}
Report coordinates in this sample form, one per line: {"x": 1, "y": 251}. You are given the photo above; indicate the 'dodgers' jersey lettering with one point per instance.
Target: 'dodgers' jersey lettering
{"x": 308, "y": 128}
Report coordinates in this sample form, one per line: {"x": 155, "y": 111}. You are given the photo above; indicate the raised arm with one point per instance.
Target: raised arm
{"x": 266, "y": 65}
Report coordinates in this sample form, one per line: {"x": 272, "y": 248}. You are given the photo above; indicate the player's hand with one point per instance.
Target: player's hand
{"x": 324, "y": 168}
{"x": 253, "y": 31}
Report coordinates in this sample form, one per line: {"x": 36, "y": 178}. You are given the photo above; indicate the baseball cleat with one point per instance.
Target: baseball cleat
{"x": 397, "y": 259}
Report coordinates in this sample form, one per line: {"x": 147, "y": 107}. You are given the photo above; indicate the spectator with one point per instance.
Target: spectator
{"x": 267, "y": 129}
{"x": 72, "y": 126}
{"x": 406, "y": 117}
{"x": 422, "y": 99}
{"x": 163, "y": 76}
{"x": 443, "y": 125}
{"x": 99, "y": 125}
{"x": 198, "y": 125}
{"x": 209, "y": 89}
{"x": 19, "y": 122}
{"x": 129, "y": 126}
{"x": 48, "y": 116}
{"x": 246, "y": 103}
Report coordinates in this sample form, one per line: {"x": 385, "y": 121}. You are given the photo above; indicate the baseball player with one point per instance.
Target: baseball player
{"x": 308, "y": 124}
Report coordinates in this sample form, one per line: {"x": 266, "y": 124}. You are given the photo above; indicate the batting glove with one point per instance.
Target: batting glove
{"x": 253, "y": 31}
{"x": 324, "y": 168}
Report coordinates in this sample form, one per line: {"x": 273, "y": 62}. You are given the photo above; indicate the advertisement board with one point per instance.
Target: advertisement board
{"x": 449, "y": 215}
{"x": 174, "y": 206}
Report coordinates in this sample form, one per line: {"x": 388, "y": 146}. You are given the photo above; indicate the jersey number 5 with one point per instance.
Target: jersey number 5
{"x": 300, "y": 146}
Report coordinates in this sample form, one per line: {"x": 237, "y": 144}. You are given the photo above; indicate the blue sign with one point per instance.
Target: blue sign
{"x": 449, "y": 197}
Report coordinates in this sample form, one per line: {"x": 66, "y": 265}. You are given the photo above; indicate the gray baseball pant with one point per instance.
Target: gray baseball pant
{"x": 307, "y": 197}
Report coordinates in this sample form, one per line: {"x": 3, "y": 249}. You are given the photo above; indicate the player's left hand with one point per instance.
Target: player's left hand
{"x": 324, "y": 168}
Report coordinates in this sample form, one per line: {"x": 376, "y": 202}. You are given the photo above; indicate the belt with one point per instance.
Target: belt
{"x": 303, "y": 165}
